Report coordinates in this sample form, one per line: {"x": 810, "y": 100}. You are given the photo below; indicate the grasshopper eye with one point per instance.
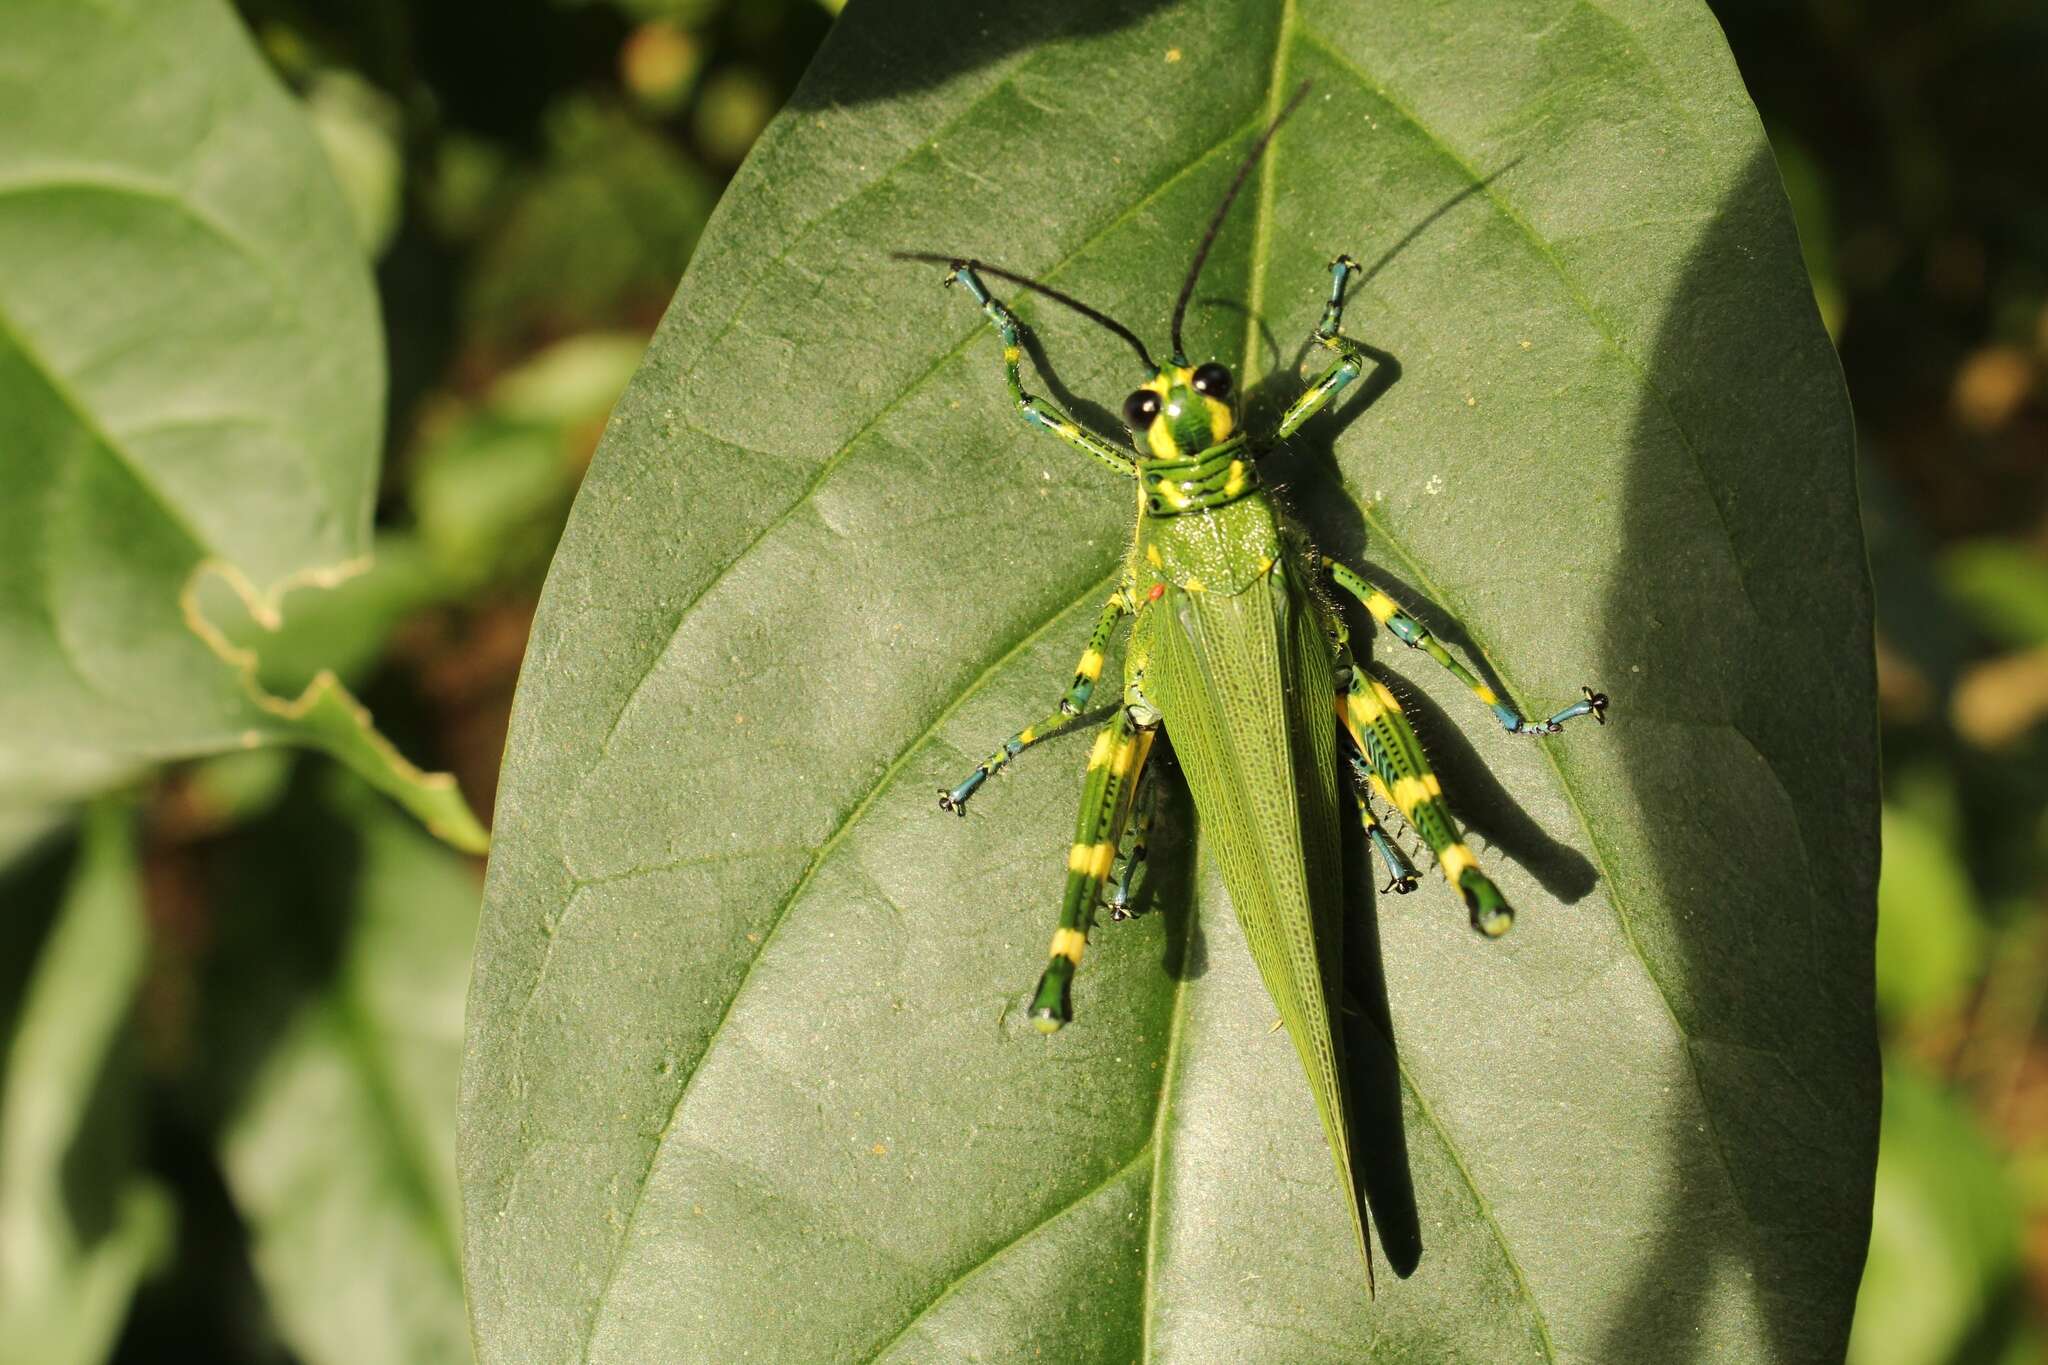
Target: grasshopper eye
{"x": 1140, "y": 408}
{"x": 1212, "y": 381}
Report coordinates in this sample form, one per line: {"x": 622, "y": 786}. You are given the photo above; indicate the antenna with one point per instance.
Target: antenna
{"x": 1095, "y": 315}
{"x": 1187, "y": 288}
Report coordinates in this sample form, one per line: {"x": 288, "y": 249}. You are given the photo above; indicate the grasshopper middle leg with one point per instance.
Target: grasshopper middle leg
{"x": 1063, "y": 717}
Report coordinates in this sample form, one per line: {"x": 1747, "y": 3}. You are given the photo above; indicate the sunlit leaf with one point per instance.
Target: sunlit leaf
{"x": 748, "y": 1076}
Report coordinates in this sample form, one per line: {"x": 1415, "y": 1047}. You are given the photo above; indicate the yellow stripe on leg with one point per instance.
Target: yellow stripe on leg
{"x": 1090, "y": 666}
{"x": 1363, "y": 710}
{"x": 1410, "y": 792}
{"x": 1099, "y": 755}
{"x": 1454, "y": 859}
{"x": 1069, "y": 943}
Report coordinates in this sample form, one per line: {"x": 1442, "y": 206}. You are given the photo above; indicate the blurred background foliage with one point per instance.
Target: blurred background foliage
{"x": 233, "y": 997}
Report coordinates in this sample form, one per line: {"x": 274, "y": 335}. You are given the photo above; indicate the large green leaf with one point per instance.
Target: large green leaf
{"x": 191, "y": 391}
{"x": 748, "y": 1076}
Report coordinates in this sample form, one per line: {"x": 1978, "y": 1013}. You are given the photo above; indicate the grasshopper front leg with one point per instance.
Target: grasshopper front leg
{"x": 1351, "y": 357}
{"x": 1030, "y": 406}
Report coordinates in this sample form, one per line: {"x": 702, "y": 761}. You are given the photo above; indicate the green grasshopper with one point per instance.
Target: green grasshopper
{"x": 1236, "y": 652}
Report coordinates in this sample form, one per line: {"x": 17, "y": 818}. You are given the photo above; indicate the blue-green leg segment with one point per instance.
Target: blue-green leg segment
{"x": 1086, "y": 671}
{"x": 1400, "y": 871}
{"x": 1130, "y": 862}
{"x": 1035, "y": 410}
{"x": 1114, "y": 766}
{"x": 1415, "y": 635}
{"x": 1351, "y": 357}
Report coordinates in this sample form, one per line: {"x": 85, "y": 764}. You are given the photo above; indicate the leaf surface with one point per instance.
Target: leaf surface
{"x": 748, "y": 1076}
{"x": 192, "y": 391}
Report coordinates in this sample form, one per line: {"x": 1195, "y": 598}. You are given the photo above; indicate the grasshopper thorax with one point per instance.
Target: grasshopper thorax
{"x": 1181, "y": 411}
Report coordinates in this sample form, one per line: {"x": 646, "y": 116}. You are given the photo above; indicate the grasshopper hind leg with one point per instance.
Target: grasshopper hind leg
{"x": 1400, "y": 775}
{"x": 1115, "y": 764}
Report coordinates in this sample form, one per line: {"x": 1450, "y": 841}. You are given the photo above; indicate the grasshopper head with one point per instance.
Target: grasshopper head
{"x": 1181, "y": 411}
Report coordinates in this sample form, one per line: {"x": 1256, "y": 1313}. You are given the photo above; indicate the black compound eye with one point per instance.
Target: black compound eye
{"x": 1140, "y": 408}
{"x": 1212, "y": 381}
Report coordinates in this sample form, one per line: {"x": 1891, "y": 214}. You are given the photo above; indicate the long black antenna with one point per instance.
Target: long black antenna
{"x": 1187, "y": 288}
{"x": 1092, "y": 314}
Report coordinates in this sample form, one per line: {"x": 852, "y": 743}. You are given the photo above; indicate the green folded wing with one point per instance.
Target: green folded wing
{"x": 1243, "y": 681}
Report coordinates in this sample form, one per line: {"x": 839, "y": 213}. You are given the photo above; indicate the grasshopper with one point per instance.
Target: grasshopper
{"x": 1238, "y": 653}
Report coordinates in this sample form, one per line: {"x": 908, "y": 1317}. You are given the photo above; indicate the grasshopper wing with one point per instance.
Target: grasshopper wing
{"x": 1243, "y": 683}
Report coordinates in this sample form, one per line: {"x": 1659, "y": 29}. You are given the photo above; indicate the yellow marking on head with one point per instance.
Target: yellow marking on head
{"x": 1027, "y": 734}
{"x": 1379, "y": 689}
{"x": 1069, "y": 943}
{"x": 1192, "y": 584}
{"x": 1429, "y": 781}
{"x": 1454, "y": 859}
{"x": 1161, "y": 384}
{"x": 1011, "y": 355}
{"x": 1485, "y": 694}
{"x": 1380, "y": 605}
{"x": 1221, "y": 420}
{"x": 1078, "y": 857}
{"x": 1090, "y": 665}
{"x": 1099, "y": 755}
{"x": 1152, "y": 557}
{"x": 1409, "y": 792}
{"x": 1120, "y": 761}
{"x": 1159, "y": 436}
{"x": 1234, "y": 483}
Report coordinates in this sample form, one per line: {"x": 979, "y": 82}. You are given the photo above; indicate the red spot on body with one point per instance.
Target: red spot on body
{"x": 1158, "y": 591}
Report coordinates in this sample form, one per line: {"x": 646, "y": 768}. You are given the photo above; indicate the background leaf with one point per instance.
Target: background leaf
{"x": 192, "y": 387}
{"x": 745, "y": 1005}
{"x": 338, "y": 1142}
{"x": 79, "y": 1226}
